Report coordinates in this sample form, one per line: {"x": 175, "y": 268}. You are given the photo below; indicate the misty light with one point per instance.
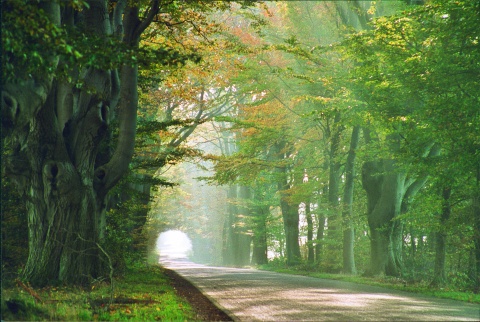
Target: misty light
{"x": 174, "y": 244}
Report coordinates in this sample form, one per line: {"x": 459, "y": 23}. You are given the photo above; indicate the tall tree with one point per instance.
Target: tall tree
{"x": 69, "y": 107}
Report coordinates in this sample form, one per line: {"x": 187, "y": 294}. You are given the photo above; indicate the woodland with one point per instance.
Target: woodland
{"x": 337, "y": 136}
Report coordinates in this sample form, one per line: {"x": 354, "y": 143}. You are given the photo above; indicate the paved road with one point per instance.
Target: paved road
{"x": 252, "y": 295}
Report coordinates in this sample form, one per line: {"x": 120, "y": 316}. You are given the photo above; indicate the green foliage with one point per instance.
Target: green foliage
{"x": 31, "y": 40}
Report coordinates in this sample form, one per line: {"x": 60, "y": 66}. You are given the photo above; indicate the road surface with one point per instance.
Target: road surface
{"x": 253, "y": 295}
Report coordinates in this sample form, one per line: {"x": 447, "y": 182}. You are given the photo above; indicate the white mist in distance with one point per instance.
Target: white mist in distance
{"x": 174, "y": 244}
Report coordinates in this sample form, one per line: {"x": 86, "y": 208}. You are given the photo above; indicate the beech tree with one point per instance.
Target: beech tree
{"x": 69, "y": 111}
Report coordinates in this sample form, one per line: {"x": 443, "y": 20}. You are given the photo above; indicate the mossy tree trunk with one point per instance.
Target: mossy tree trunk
{"x": 58, "y": 130}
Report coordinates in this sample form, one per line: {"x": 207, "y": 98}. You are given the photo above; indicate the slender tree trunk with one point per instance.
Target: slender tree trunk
{"x": 320, "y": 238}
{"x": 439, "y": 277}
{"x": 228, "y": 249}
{"x": 243, "y": 239}
{"x": 310, "y": 247}
{"x": 476, "y": 218}
{"x": 347, "y": 214}
{"x": 333, "y": 251}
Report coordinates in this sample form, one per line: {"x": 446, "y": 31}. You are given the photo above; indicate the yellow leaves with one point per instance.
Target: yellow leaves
{"x": 373, "y": 8}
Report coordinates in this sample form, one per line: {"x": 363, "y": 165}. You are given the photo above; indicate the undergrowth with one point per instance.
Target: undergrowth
{"x": 144, "y": 293}
{"x": 420, "y": 287}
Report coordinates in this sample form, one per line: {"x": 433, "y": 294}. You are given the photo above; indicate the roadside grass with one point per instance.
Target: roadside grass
{"x": 143, "y": 294}
{"x": 388, "y": 282}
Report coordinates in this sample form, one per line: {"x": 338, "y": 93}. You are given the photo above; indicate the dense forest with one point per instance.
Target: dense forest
{"x": 338, "y": 136}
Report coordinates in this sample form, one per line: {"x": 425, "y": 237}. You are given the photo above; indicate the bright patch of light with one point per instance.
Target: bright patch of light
{"x": 174, "y": 244}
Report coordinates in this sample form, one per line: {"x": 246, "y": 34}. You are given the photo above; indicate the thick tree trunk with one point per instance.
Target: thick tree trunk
{"x": 385, "y": 190}
{"x": 347, "y": 214}
{"x": 64, "y": 211}
{"x": 388, "y": 193}
{"x": 259, "y": 253}
{"x": 60, "y": 160}
{"x": 290, "y": 225}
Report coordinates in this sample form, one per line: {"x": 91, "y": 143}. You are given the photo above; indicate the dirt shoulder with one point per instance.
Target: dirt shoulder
{"x": 204, "y": 308}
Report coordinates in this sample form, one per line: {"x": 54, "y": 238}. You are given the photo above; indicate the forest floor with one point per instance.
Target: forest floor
{"x": 142, "y": 294}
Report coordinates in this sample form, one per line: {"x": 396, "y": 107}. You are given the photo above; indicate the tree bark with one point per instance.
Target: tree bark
{"x": 259, "y": 253}
{"x": 384, "y": 187}
{"x": 320, "y": 238}
{"x": 476, "y": 218}
{"x": 347, "y": 214}
{"x": 332, "y": 258}
{"x": 290, "y": 222}
{"x": 310, "y": 246}
{"x": 228, "y": 230}
{"x": 61, "y": 161}
{"x": 439, "y": 275}
{"x": 243, "y": 238}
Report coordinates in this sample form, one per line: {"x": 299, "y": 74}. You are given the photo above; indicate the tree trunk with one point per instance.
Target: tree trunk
{"x": 320, "y": 238}
{"x": 385, "y": 191}
{"x": 260, "y": 250}
{"x": 61, "y": 161}
{"x": 347, "y": 214}
{"x": 310, "y": 247}
{"x": 290, "y": 224}
{"x": 243, "y": 238}
{"x": 476, "y": 218}
{"x": 389, "y": 191}
{"x": 236, "y": 247}
{"x": 229, "y": 242}
{"x": 333, "y": 251}
{"x": 439, "y": 277}
{"x": 64, "y": 210}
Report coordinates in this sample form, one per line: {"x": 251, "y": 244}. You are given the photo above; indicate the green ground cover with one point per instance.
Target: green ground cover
{"x": 142, "y": 294}
{"x": 388, "y": 282}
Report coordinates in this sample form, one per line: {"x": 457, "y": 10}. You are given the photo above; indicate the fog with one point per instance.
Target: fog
{"x": 174, "y": 244}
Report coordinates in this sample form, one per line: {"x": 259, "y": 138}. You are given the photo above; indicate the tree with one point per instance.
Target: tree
{"x": 417, "y": 99}
{"x": 69, "y": 109}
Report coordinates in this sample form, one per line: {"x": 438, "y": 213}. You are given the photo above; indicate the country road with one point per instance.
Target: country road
{"x": 252, "y": 295}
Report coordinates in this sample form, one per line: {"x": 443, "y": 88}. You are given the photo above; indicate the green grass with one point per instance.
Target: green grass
{"x": 388, "y": 282}
{"x": 142, "y": 294}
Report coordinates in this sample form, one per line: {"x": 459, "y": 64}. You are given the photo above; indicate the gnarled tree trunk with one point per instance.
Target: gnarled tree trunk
{"x": 61, "y": 162}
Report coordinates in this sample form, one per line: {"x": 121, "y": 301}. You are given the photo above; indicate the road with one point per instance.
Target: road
{"x": 253, "y": 295}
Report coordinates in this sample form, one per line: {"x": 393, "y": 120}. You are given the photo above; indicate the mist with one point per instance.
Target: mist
{"x": 174, "y": 244}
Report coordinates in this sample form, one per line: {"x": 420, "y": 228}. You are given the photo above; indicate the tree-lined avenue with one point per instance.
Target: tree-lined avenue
{"x": 253, "y": 295}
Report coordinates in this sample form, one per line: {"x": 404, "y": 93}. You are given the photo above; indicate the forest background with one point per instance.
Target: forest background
{"x": 344, "y": 138}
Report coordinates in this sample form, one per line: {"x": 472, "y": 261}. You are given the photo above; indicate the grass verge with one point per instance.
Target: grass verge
{"x": 143, "y": 294}
{"x": 388, "y": 282}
